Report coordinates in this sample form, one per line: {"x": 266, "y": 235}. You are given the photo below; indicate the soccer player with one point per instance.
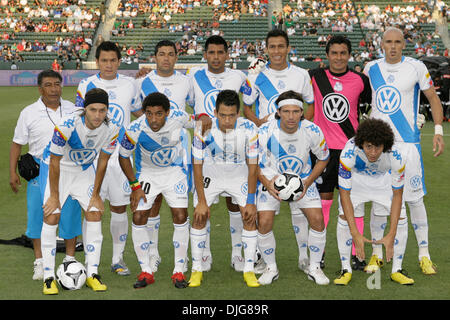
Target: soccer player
{"x": 76, "y": 141}
{"x": 396, "y": 81}
{"x": 279, "y": 76}
{"x": 35, "y": 128}
{"x": 176, "y": 87}
{"x": 122, "y": 92}
{"x": 372, "y": 169}
{"x": 225, "y": 161}
{"x": 207, "y": 82}
{"x": 284, "y": 146}
{"x": 338, "y": 94}
{"x": 160, "y": 143}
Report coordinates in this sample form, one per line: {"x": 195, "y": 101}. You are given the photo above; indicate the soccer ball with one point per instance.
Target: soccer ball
{"x": 289, "y": 185}
{"x": 71, "y": 275}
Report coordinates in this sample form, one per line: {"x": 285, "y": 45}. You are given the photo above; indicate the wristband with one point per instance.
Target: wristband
{"x": 438, "y": 129}
{"x": 136, "y": 187}
{"x": 251, "y": 197}
{"x": 197, "y": 117}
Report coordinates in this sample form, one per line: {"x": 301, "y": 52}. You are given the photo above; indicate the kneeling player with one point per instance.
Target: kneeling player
{"x": 159, "y": 138}
{"x": 284, "y": 146}
{"x": 225, "y": 162}
{"x": 364, "y": 176}
{"x": 76, "y": 142}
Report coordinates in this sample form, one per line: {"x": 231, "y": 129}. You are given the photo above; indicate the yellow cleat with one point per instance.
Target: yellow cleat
{"x": 95, "y": 283}
{"x": 427, "y": 266}
{"x": 343, "y": 279}
{"x": 50, "y": 286}
{"x": 374, "y": 264}
{"x": 250, "y": 279}
{"x": 196, "y": 279}
{"x": 402, "y": 277}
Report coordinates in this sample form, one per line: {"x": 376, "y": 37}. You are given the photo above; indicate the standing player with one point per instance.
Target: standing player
{"x": 372, "y": 170}
{"x": 35, "y": 128}
{"x": 284, "y": 146}
{"x": 121, "y": 92}
{"x": 161, "y": 169}
{"x": 279, "y": 76}
{"x": 207, "y": 82}
{"x": 338, "y": 93}
{"x": 76, "y": 141}
{"x": 176, "y": 87}
{"x": 396, "y": 81}
{"x": 225, "y": 161}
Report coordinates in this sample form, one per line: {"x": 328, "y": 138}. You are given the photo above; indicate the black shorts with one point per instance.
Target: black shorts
{"x": 328, "y": 180}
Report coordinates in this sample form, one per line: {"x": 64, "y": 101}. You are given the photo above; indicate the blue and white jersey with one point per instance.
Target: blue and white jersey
{"x": 207, "y": 85}
{"x": 158, "y": 151}
{"x": 396, "y": 94}
{"x": 267, "y": 85}
{"x": 227, "y": 149}
{"x": 353, "y": 161}
{"x": 281, "y": 152}
{"x": 78, "y": 145}
{"x": 176, "y": 88}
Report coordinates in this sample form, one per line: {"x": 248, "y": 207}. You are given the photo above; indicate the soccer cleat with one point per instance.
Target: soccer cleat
{"x": 250, "y": 279}
{"x": 154, "y": 262}
{"x": 259, "y": 266}
{"x": 95, "y": 283}
{"x": 207, "y": 262}
{"x": 322, "y": 261}
{"x": 38, "y": 270}
{"x": 344, "y": 278}
{"x": 318, "y": 276}
{"x": 374, "y": 264}
{"x": 196, "y": 279}
{"x": 120, "y": 268}
{"x": 144, "y": 278}
{"x": 50, "y": 286}
{"x": 428, "y": 267}
{"x": 303, "y": 264}
{"x": 358, "y": 264}
{"x": 268, "y": 276}
{"x": 179, "y": 280}
{"x": 237, "y": 263}
{"x": 401, "y": 276}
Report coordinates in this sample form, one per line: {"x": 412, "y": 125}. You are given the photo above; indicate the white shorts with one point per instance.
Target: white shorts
{"x": 115, "y": 187}
{"x": 173, "y": 185}
{"x": 414, "y": 173}
{"x": 265, "y": 202}
{"x": 76, "y": 184}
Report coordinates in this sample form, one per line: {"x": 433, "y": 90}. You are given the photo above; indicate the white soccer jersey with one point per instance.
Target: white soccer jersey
{"x": 177, "y": 88}
{"x": 281, "y": 152}
{"x": 36, "y": 123}
{"x": 157, "y": 151}
{"x": 267, "y": 85}
{"x": 207, "y": 85}
{"x": 396, "y": 94}
{"x": 353, "y": 160}
{"x": 78, "y": 145}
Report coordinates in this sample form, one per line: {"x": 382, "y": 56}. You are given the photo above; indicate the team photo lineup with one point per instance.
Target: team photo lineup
{"x": 278, "y": 133}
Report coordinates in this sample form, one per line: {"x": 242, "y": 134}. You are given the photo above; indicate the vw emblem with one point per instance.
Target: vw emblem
{"x": 336, "y": 107}
{"x": 116, "y": 114}
{"x": 416, "y": 182}
{"x": 210, "y": 101}
{"x": 82, "y": 156}
{"x": 388, "y": 99}
{"x": 290, "y": 164}
{"x": 163, "y": 157}
{"x": 271, "y": 105}
{"x": 180, "y": 188}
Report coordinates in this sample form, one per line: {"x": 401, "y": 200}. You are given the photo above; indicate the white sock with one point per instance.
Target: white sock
{"x": 236, "y": 227}
{"x": 153, "y": 234}
{"x": 377, "y": 226}
{"x": 93, "y": 249}
{"x": 401, "y": 239}
{"x": 198, "y": 240}
{"x": 180, "y": 244}
{"x": 316, "y": 244}
{"x": 83, "y": 232}
{"x": 344, "y": 241}
{"x": 139, "y": 235}
{"x": 48, "y": 248}
{"x": 249, "y": 241}
{"x": 267, "y": 245}
{"x": 119, "y": 234}
{"x": 419, "y": 222}
{"x": 300, "y": 224}
{"x": 207, "y": 248}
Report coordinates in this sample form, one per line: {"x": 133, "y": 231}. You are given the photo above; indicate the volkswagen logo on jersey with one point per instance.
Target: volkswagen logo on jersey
{"x": 271, "y": 105}
{"x": 173, "y": 105}
{"x": 116, "y": 114}
{"x": 163, "y": 157}
{"x": 180, "y": 188}
{"x": 415, "y": 182}
{"x": 388, "y": 99}
{"x": 290, "y": 164}
{"x": 244, "y": 188}
{"x": 209, "y": 102}
{"x": 336, "y": 107}
{"x": 82, "y": 156}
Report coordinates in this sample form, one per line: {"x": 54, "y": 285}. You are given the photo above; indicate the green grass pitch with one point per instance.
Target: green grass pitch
{"x": 223, "y": 283}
